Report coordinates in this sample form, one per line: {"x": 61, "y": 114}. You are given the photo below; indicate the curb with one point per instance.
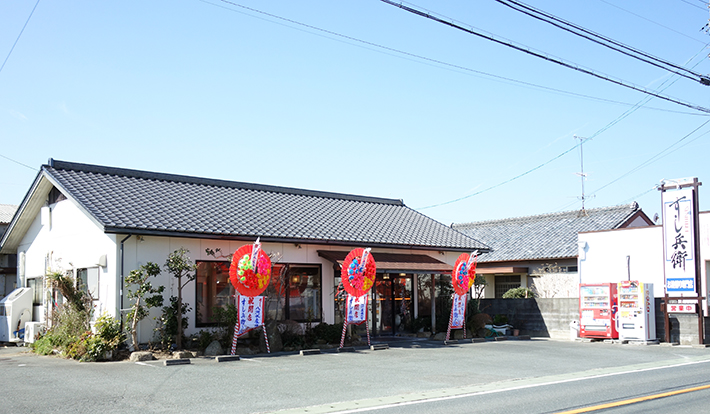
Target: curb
{"x": 226, "y": 358}
{"x": 181, "y": 361}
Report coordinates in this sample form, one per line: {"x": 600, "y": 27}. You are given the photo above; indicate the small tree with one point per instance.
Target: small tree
{"x": 181, "y": 266}
{"x": 145, "y": 295}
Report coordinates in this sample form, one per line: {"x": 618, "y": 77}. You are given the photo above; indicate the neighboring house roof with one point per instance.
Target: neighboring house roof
{"x": 147, "y": 203}
{"x": 7, "y": 211}
{"x": 547, "y": 236}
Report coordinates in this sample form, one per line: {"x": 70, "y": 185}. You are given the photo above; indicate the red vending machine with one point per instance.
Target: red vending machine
{"x": 597, "y": 311}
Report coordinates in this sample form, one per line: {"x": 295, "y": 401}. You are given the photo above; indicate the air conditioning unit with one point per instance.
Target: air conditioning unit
{"x": 32, "y": 331}
{"x": 15, "y": 311}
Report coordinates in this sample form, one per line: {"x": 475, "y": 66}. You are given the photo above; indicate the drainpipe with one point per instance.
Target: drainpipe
{"x": 120, "y": 289}
{"x": 628, "y": 268}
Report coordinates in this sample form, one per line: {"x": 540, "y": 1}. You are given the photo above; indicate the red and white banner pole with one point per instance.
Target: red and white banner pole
{"x": 234, "y": 340}
{"x": 451, "y": 319}
{"x": 266, "y": 339}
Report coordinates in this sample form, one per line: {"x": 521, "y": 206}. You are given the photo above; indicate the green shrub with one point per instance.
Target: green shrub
{"x": 226, "y": 318}
{"x": 329, "y": 333}
{"x": 202, "y": 339}
{"x": 167, "y": 329}
{"x": 519, "y": 293}
{"x": 43, "y": 345}
{"x": 500, "y": 320}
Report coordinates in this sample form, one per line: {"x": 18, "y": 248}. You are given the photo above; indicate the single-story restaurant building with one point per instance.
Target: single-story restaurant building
{"x": 98, "y": 223}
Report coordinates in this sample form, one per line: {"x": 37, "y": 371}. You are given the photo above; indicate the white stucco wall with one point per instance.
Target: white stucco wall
{"x": 62, "y": 237}
{"x": 603, "y": 256}
{"x": 156, "y": 249}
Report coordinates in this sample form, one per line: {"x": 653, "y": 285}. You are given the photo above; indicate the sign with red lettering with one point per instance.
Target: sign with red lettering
{"x": 681, "y": 308}
{"x": 356, "y": 310}
{"x": 458, "y": 311}
{"x": 250, "y": 313}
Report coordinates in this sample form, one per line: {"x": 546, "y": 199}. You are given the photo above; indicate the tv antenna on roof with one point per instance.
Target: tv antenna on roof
{"x": 582, "y": 140}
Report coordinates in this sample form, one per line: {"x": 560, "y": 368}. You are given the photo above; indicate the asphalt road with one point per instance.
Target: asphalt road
{"x": 535, "y": 376}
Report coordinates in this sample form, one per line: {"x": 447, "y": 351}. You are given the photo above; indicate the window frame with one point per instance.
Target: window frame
{"x": 230, "y": 298}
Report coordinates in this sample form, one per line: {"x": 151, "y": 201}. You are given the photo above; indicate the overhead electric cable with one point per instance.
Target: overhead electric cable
{"x": 439, "y": 62}
{"x": 637, "y": 106}
{"x": 501, "y": 183}
{"x": 695, "y": 5}
{"x": 668, "y": 150}
{"x": 651, "y": 21}
{"x": 604, "y": 40}
{"x": 18, "y": 162}
{"x": 18, "y": 36}
{"x": 540, "y": 55}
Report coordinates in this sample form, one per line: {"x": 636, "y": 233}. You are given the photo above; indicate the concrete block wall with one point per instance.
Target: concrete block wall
{"x": 550, "y": 318}
{"x": 539, "y": 317}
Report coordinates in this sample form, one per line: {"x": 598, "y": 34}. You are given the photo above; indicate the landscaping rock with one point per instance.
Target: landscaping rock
{"x": 141, "y": 356}
{"x": 440, "y": 336}
{"x": 244, "y": 351}
{"x": 182, "y": 355}
{"x": 214, "y": 349}
{"x": 423, "y": 334}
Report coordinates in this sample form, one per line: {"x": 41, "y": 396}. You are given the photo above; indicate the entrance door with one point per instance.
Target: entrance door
{"x": 392, "y": 305}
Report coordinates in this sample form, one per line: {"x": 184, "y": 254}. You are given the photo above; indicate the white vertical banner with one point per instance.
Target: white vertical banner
{"x": 679, "y": 242}
{"x": 356, "y": 309}
{"x": 250, "y": 311}
{"x": 458, "y": 311}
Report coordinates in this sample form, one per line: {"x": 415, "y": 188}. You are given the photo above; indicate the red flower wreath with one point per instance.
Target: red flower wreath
{"x": 358, "y": 277}
{"x": 464, "y": 274}
{"x": 248, "y": 278}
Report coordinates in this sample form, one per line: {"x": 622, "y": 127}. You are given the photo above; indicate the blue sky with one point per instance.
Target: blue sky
{"x": 359, "y": 97}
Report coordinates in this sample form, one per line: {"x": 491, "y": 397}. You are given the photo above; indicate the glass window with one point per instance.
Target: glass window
{"x": 443, "y": 291}
{"x": 505, "y": 283}
{"x": 36, "y": 285}
{"x": 213, "y": 290}
{"x": 338, "y": 301}
{"x": 304, "y": 293}
{"x": 87, "y": 279}
{"x": 424, "y": 282}
{"x": 276, "y": 294}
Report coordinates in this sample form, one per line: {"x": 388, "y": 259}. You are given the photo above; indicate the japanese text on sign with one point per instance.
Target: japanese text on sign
{"x": 250, "y": 311}
{"x": 356, "y": 309}
{"x": 679, "y": 241}
{"x": 458, "y": 311}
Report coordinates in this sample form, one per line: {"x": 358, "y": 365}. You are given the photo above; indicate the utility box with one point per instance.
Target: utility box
{"x": 15, "y": 311}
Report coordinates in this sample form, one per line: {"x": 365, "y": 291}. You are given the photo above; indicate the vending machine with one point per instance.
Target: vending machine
{"x": 637, "y": 314}
{"x": 597, "y": 311}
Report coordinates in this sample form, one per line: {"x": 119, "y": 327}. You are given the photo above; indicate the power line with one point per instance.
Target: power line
{"x": 651, "y": 21}
{"x": 18, "y": 36}
{"x": 637, "y": 106}
{"x": 440, "y": 62}
{"x": 667, "y": 151}
{"x": 18, "y": 162}
{"x": 604, "y": 40}
{"x": 695, "y": 5}
{"x": 501, "y": 183}
{"x": 634, "y": 106}
{"x": 540, "y": 55}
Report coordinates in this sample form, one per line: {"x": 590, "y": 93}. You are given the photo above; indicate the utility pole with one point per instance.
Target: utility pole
{"x": 582, "y": 140}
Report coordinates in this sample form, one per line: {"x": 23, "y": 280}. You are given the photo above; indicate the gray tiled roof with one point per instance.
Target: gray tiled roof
{"x": 141, "y": 202}
{"x": 6, "y": 212}
{"x": 547, "y": 236}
